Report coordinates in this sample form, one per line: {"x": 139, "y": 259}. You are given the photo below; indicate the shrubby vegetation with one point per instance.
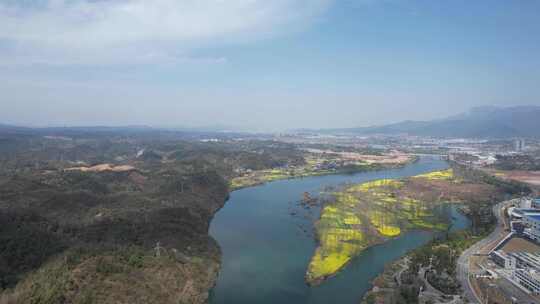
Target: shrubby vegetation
{"x": 517, "y": 162}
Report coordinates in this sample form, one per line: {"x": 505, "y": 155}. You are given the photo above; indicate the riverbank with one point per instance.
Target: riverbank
{"x": 367, "y": 214}
{"x": 426, "y": 274}
{"x": 319, "y": 166}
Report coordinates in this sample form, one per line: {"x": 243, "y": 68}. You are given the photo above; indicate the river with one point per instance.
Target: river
{"x": 266, "y": 250}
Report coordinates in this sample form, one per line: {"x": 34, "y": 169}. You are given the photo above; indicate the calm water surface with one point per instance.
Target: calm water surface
{"x": 266, "y": 250}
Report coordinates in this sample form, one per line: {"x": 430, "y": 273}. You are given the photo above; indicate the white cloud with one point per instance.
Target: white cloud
{"x": 86, "y": 31}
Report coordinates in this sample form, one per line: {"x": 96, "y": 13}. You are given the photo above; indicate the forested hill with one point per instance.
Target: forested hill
{"x": 116, "y": 217}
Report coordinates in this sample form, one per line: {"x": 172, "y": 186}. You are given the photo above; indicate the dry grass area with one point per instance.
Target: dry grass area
{"x": 484, "y": 289}
{"x": 520, "y": 245}
{"x": 433, "y": 190}
{"x": 529, "y": 177}
{"x": 392, "y": 157}
{"x": 102, "y": 168}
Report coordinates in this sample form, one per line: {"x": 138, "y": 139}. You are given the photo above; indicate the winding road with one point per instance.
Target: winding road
{"x": 463, "y": 269}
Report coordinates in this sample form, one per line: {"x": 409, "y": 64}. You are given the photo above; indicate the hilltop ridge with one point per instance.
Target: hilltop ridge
{"x": 479, "y": 122}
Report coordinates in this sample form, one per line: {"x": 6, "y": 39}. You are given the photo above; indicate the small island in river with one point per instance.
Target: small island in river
{"x": 362, "y": 215}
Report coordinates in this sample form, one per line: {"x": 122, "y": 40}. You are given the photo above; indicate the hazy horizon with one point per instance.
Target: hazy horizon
{"x": 262, "y": 65}
{"x": 231, "y": 128}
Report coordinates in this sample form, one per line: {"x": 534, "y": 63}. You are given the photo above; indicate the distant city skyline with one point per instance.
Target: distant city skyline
{"x": 263, "y": 65}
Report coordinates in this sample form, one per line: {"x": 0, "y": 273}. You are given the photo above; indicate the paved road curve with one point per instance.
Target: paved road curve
{"x": 463, "y": 271}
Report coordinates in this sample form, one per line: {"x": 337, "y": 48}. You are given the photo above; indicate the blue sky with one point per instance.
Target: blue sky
{"x": 263, "y": 65}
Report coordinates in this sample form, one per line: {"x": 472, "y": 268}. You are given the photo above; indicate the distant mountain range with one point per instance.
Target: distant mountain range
{"x": 479, "y": 122}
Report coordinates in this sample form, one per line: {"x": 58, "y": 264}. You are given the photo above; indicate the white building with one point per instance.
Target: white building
{"x": 532, "y": 226}
{"x": 529, "y": 279}
{"x": 521, "y": 268}
{"x": 526, "y": 270}
{"x": 525, "y": 203}
{"x": 519, "y": 145}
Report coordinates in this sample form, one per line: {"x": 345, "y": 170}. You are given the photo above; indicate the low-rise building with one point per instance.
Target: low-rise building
{"x": 499, "y": 258}
{"x": 529, "y": 279}
{"x": 519, "y": 213}
{"x": 525, "y": 203}
{"x": 526, "y": 270}
{"x": 517, "y": 227}
{"x": 523, "y": 269}
{"x": 535, "y": 203}
{"x": 520, "y": 260}
{"x": 531, "y": 222}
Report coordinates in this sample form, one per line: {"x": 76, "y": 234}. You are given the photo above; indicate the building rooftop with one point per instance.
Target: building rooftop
{"x": 535, "y": 217}
{"x": 527, "y": 210}
{"x": 520, "y": 212}
{"x": 531, "y": 259}
{"x": 517, "y": 244}
{"x": 535, "y": 274}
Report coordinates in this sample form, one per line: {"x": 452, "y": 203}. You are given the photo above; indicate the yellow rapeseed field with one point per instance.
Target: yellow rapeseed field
{"x": 371, "y": 206}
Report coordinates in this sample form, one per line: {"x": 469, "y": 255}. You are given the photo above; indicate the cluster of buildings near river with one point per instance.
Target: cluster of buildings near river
{"x": 517, "y": 257}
